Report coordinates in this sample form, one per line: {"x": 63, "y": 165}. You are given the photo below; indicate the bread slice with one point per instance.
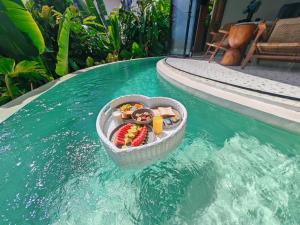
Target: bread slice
{"x": 166, "y": 111}
{"x": 156, "y": 112}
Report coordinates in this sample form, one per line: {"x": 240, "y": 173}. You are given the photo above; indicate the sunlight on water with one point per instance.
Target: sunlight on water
{"x": 229, "y": 169}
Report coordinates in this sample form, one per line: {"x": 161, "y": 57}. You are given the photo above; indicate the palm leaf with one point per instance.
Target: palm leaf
{"x": 31, "y": 70}
{"x": 62, "y": 65}
{"x": 20, "y": 36}
{"x": 97, "y": 10}
{"x": 114, "y": 32}
{"x": 4, "y": 98}
{"x": 90, "y": 20}
{"x": 101, "y": 8}
{"x": 82, "y": 7}
{"x": 11, "y": 88}
{"x": 6, "y": 65}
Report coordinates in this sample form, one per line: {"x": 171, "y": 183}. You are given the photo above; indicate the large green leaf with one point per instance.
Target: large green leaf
{"x": 31, "y": 70}
{"x": 101, "y": 8}
{"x": 4, "y": 98}
{"x": 97, "y": 9}
{"x": 12, "y": 89}
{"x": 62, "y": 65}
{"x": 6, "y": 65}
{"x": 114, "y": 32}
{"x": 20, "y": 36}
{"x": 90, "y": 21}
{"x": 136, "y": 50}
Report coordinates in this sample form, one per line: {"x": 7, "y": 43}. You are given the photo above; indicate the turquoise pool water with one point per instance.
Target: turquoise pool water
{"x": 229, "y": 168}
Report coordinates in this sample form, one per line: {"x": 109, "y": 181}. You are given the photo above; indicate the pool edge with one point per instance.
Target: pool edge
{"x": 10, "y": 108}
{"x": 263, "y": 111}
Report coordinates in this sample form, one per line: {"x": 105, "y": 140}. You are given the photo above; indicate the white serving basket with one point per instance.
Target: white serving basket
{"x": 144, "y": 154}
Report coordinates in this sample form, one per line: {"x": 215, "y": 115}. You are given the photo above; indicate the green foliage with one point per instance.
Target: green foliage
{"x": 62, "y": 65}
{"x": 136, "y": 50}
{"x": 97, "y": 10}
{"x": 114, "y": 33}
{"x": 148, "y": 26}
{"x": 89, "y": 61}
{"x": 111, "y": 58}
{"x": 20, "y": 36}
{"x": 52, "y": 38}
{"x": 14, "y": 75}
{"x": 125, "y": 54}
{"x": 59, "y": 5}
{"x": 6, "y": 65}
{"x": 91, "y": 21}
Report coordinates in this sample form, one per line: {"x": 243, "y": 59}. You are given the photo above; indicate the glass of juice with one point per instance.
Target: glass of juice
{"x": 157, "y": 124}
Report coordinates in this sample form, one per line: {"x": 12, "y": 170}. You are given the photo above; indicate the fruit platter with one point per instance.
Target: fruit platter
{"x": 136, "y": 130}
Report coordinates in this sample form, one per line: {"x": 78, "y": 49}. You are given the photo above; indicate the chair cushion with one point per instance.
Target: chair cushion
{"x": 279, "y": 48}
{"x": 286, "y": 31}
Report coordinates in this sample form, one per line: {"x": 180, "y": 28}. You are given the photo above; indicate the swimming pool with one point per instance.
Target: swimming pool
{"x": 229, "y": 168}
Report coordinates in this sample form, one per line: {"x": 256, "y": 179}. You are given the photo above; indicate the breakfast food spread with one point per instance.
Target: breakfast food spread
{"x": 134, "y": 134}
{"x": 128, "y": 108}
{"x": 166, "y": 111}
{"x": 145, "y": 116}
{"x": 170, "y": 116}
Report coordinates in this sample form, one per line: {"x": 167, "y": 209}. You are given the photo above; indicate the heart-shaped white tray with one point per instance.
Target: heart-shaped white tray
{"x": 148, "y": 153}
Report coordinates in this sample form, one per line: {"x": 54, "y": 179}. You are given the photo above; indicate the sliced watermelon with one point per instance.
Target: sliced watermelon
{"x": 140, "y": 137}
{"x": 120, "y": 134}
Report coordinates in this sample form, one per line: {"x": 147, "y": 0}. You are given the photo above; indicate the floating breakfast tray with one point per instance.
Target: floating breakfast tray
{"x": 154, "y": 147}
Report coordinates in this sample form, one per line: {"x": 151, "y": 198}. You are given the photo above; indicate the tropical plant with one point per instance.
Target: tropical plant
{"x": 89, "y": 61}
{"x": 53, "y": 37}
{"x": 148, "y": 26}
{"x": 14, "y": 75}
{"x": 21, "y": 37}
{"x": 94, "y": 8}
{"x": 136, "y": 51}
{"x": 62, "y": 65}
{"x": 59, "y": 5}
{"x": 114, "y": 33}
{"x": 77, "y": 39}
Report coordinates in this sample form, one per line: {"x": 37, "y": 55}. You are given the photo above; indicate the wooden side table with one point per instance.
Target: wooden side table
{"x": 239, "y": 36}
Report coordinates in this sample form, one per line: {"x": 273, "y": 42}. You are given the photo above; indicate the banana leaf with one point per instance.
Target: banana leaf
{"x": 97, "y": 10}
{"x": 114, "y": 32}
{"x": 102, "y": 9}
{"x": 6, "y": 65}
{"x": 90, "y": 20}
{"x": 31, "y": 70}
{"x": 20, "y": 36}
{"x": 62, "y": 65}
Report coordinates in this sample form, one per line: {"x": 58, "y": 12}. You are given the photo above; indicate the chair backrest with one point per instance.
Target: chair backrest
{"x": 227, "y": 26}
{"x": 286, "y": 31}
{"x": 289, "y": 11}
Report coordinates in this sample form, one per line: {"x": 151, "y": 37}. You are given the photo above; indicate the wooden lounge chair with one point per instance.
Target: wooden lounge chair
{"x": 219, "y": 41}
{"x": 282, "y": 44}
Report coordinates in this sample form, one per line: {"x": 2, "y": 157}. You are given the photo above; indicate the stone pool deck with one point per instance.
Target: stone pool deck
{"x": 268, "y": 93}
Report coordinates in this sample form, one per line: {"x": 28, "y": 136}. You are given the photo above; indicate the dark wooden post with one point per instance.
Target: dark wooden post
{"x": 200, "y": 30}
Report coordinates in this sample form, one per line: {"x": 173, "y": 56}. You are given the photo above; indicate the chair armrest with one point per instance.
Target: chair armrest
{"x": 223, "y": 31}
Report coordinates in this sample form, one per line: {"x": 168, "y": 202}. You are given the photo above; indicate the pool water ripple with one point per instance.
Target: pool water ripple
{"x": 229, "y": 168}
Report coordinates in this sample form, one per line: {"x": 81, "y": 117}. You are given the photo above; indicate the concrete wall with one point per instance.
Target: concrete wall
{"x": 267, "y": 11}
{"x": 111, "y": 4}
